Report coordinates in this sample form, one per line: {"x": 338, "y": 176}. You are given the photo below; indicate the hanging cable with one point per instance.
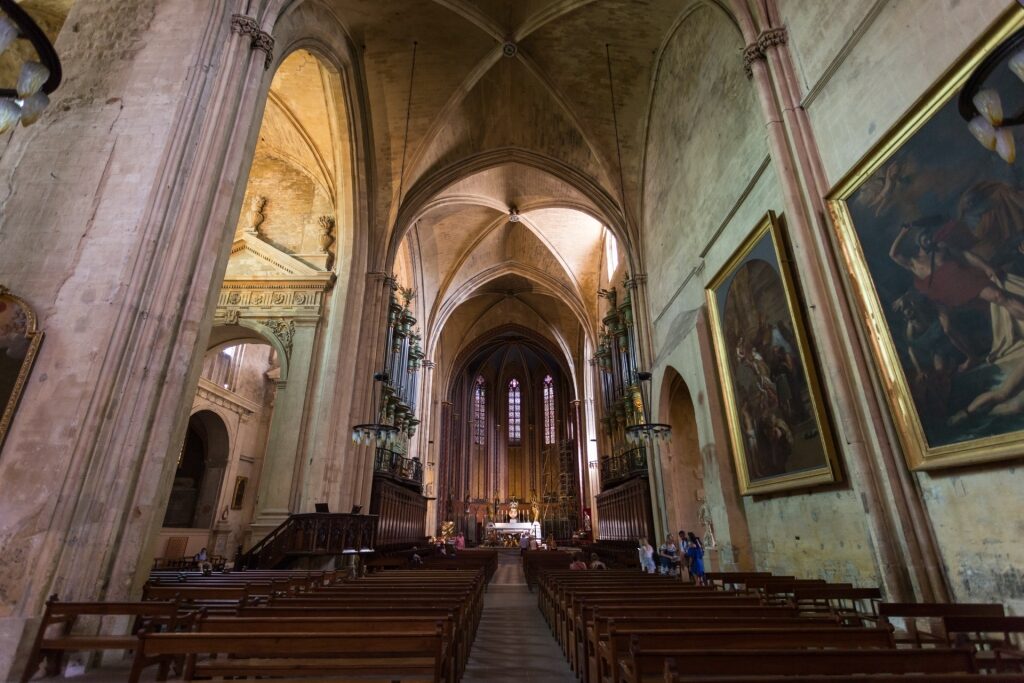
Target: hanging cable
{"x": 615, "y": 122}
{"x": 408, "y": 113}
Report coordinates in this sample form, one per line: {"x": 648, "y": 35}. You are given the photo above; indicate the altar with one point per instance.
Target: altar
{"x": 515, "y": 528}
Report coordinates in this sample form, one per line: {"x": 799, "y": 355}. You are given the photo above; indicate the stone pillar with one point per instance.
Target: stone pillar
{"x": 115, "y": 223}
{"x": 844, "y": 365}
{"x": 281, "y": 463}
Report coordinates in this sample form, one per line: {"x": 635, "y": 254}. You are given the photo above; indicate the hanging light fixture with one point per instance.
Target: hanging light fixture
{"x": 982, "y": 107}
{"x": 647, "y": 431}
{"x": 36, "y": 79}
{"x": 378, "y": 431}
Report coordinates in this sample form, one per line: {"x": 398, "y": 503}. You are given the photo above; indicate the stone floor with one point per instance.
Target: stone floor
{"x": 512, "y": 644}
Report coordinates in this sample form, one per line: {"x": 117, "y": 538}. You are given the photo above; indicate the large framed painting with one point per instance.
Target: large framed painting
{"x": 930, "y": 225}
{"x": 780, "y": 432}
{"x": 19, "y": 342}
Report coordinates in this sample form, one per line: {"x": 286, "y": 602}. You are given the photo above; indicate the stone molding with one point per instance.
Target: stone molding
{"x": 219, "y": 396}
{"x": 258, "y": 40}
{"x": 769, "y": 38}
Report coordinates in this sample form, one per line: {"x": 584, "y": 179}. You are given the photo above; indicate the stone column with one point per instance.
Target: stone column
{"x": 281, "y": 461}
{"x": 829, "y": 316}
{"x": 115, "y": 216}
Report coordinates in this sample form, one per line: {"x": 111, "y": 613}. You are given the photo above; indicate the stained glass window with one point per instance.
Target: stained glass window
{"x": 515, "y": 426}
{"x": 549, "y": 410}
{"x": 479, "y": 412}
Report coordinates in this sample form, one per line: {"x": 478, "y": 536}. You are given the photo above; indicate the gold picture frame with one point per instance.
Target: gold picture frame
{"x": 20, "y": 338}
{"x": 238, "y": 495}
{"x": 778, "y": 425}
{"x": 925, "y": 170}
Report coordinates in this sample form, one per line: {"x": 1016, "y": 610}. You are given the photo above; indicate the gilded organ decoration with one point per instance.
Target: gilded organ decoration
{"x": 622, "y": 401}
{"x": 19, "y": 342}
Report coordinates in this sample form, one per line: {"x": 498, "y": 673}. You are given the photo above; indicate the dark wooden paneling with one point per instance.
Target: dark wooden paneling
{"x": 624, "y": 512}
{"x": 401, "y": 513}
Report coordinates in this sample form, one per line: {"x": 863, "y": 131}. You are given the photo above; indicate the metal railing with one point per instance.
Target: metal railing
{"x": 397, "y": 466}
{"x": 626, "y": 465}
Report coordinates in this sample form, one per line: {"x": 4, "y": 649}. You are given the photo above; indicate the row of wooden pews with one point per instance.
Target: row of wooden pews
{"x": 398, "y": 625}
{"x": 625, "y": 626}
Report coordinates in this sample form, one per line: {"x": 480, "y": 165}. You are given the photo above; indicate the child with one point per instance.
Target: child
{"x": 646, "y": 551}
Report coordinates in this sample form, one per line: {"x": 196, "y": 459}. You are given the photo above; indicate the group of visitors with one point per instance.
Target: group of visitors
{"x": 579, "y": 563}
{"x": 672, "y": 557}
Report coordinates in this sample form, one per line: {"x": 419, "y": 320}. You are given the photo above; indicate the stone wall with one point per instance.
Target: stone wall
{"x": 708, "y": 180}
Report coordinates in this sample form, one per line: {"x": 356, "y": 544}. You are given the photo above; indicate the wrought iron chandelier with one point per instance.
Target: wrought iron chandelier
{"x": 982, "y": 107}
{"x": 36, "y": 78}
{"x": 378, "y": 432}
{"x": 647, "y": 430}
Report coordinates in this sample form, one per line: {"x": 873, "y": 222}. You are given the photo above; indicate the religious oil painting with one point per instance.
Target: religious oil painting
{"x": 780, "y": 432}
{"x": 931, "y": 227}
{"x": 19, "y": 341}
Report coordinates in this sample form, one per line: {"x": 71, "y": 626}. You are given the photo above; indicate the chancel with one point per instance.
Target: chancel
{"x": 614, "y": 340}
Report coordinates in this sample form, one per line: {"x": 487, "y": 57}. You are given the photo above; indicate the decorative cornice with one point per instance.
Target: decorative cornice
{"x": 258, "y": 40}
{"x": 751, "y": 53}
{"x": 772, "y": 37}
{"x": 225, "y": 398}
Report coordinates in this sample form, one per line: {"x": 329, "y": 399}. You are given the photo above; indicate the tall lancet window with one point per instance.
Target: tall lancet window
{"x": 515, "y": 425}
{"x": 479, "y": 412}
{"x": 549, "y": 410}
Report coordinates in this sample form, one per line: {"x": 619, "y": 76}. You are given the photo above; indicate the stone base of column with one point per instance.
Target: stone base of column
{"x": 16, "y": 637}
{"x": 264, "y": 523}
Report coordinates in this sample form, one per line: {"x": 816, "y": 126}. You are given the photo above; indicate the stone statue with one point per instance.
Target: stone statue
{"x": 259, "y": 202}
{"x": 326, "y": 239}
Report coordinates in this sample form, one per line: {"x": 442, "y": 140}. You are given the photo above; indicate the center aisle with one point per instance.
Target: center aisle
{"x": 514, "y": 642}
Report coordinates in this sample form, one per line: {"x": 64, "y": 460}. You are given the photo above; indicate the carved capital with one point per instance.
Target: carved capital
{"x": 772, "y": 37}
{"x": 428, "y": 364}
{"x": 284, "y": 330}
{"x": 751, "y": 53}
{"x": 258, "y": 40}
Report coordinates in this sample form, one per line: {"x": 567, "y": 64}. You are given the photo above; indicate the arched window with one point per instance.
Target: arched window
{"x": 515, "y": 426}
{"x": 549, "y": 410}
{"x": 479, "y": 412}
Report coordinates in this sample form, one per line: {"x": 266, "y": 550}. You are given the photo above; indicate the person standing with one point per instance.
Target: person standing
{"x": 668, "y": 555}
{"x": 646, "y": 551}
{"x": 524, "y": 544}
{"x": 695, "y": 554}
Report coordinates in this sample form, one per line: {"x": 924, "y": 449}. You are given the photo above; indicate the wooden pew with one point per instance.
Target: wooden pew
{"x": 345, "y": 625}
{"x": 398, "y": 656}
{"x": 847, "y": 602}
{"x": 733, "y": 579}
{"x": 616, "y": 649}
{"x": 642, "y": 620}
{"x": 992, "y": 639}
{"x": 672, "y": 675}
{"x": 152, "y": 615}
{"x": 645, "y": 664}
{"x": 932, "y": 613}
